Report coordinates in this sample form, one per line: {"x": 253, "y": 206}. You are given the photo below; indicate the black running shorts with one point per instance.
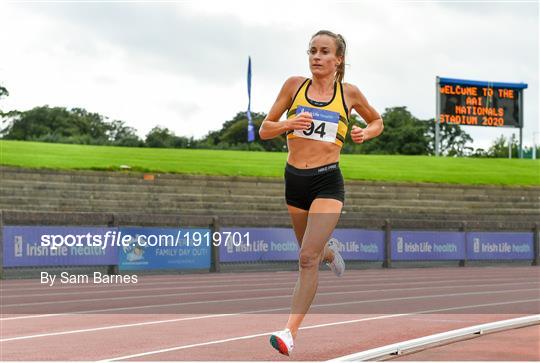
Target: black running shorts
{"x": 303, "y": 186}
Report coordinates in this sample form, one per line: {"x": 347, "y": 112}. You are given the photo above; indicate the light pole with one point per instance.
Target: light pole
{"x": 510, "y": 141}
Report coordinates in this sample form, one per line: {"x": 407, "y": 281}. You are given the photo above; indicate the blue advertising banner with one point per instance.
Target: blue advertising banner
{"x": 500, "y": 245}
{"x": 279, "y": 244}
{"x": 360, "y": 244}
{"x": 165, "y": 248}
{"x": 433, "y": 245}
{"x": 258, "y": 244}
{"x": 58, "y": 246}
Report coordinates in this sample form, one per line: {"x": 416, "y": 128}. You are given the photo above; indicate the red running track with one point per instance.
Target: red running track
{"x": 229, "y": 316}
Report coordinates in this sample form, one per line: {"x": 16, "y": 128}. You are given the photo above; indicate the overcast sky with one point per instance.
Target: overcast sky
{"x": 183, "y": 64}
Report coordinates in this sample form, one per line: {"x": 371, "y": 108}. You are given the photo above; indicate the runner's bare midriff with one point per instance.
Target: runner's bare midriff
{"x": 307, "y": 154}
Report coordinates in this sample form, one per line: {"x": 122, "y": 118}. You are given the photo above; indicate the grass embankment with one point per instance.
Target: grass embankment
{"x": 396, "y": 168}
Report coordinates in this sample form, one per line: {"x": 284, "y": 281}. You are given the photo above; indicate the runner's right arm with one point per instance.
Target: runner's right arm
{"x": 271, "y": 126}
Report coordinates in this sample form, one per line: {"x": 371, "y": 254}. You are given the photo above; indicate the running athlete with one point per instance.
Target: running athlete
{"x": 318, "y": 112}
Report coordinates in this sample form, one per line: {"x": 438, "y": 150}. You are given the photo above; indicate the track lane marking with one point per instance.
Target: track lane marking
{"x": 109, "y": 291}
{"x": 380, "y": 317}
{"x": 236, "y": 300}
{"x": 239, "y": 313}
{"x": 294, "y": 275}
{"x": 55, "y": 302}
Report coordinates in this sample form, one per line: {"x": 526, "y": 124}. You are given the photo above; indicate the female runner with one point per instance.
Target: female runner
{"x": 318, "y": 112}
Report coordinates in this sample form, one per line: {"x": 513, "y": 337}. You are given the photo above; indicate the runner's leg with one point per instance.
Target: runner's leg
{"x": 321, "y": 222}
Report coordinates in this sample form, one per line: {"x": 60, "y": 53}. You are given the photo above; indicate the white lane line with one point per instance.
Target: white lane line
{"x": 92, "y": 287}
{"x": 152, "y": 296}
{"x": 115, "y": 327}
{"x": 226, "y": 276}
{"x": 215, "y": 279}
{"x": 294, "y": 275}
{"x": 200, "y": 302}
{"x": 198, "y": 286}
{"x": 111, "y": 290}
{"x": 232, "y": 314}
{"x": 380, "y": 317}
{"x": 153, "y": 322}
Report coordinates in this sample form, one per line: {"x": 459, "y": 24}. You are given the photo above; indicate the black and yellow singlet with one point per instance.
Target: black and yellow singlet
{"x": 330, "y": 119}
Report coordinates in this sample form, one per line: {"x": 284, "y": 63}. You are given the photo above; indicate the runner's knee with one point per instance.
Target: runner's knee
{"x": 309, "y": 259}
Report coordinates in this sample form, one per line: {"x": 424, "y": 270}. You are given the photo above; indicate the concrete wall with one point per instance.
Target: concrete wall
{"x": 50, "y": 196}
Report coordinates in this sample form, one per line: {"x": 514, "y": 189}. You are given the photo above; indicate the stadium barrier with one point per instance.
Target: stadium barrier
{"x": 250, "y": 241}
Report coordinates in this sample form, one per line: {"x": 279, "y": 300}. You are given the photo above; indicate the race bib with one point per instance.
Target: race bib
{"x": 323, "y": 127}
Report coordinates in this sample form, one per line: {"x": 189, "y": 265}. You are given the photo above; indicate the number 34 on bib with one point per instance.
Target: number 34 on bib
{"x": 323, "y": 127}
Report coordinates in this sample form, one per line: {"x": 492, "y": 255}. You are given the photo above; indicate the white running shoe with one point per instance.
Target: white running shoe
{"x": 282, "y": 341}
{"x": 337, "y": 265}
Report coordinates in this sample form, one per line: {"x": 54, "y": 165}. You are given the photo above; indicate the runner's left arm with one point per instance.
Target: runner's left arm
{"x": 361, "y": 105}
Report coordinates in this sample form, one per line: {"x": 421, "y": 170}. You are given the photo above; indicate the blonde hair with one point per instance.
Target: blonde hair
{"x": 341, "y": 47}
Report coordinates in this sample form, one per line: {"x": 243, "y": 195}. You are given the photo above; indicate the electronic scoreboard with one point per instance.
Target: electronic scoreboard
{"x": 479, "y": 103}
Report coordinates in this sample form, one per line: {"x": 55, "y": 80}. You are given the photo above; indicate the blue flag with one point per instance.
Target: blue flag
{"x": 250, "y": 130}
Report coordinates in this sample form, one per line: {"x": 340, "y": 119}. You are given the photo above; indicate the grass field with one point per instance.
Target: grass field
{"x": 268, "y": 164}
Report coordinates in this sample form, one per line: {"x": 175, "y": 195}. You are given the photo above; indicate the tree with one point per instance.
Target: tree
{"x": 58, "y": 124}
{"x": 159, "y": 137}
{"x": 453, "y": 139}
{"x": 403, "y": 134}
{"x": 122, "y": 135}
{"x": 163, "y": 137}
{"x": 479, "y": 153}
{"x": 233, "y": 134}
{"x": 499, "y": 148}
{"x": 3, "y": 93}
